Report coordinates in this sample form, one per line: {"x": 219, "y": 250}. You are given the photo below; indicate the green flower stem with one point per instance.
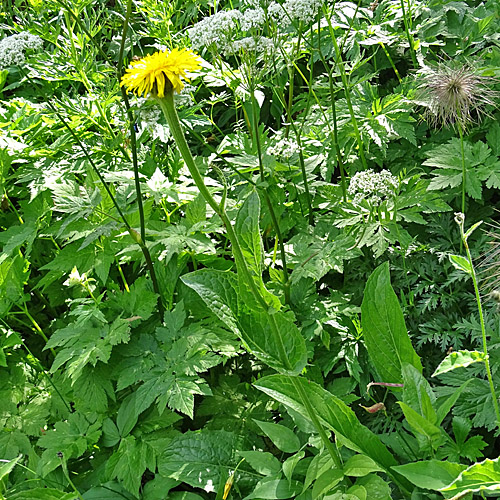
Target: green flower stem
{"x": 335, "y": 135}
{"x": 168, "y": 107}
{"x": 279, "y": 237}
{"x": 408, "y": 35}
{"x": 386, "y": 52}
{"x": 483, "y": 328}
{"x": 133, "y": 233}
{"x": 140, "y": 240}
{"x": 331, "y": 448}
{"x": 36, "y": 326}
{"x": 66, "y": 474}
{"x": 464, "y": 168}
{"x": 345, "y": 83}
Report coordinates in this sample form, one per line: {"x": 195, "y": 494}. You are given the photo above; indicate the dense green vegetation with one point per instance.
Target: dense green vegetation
{"x": 298, "y": 302}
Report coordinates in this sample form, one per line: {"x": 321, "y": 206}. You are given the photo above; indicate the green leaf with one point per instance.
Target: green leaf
{"x": 320, "y": 463}
{"x": 430, "y": 474}
{"x": 384, "y": 329}
{"x": 290, "y": 463}
{"x": 275, "y": 489}
{"x": 360, "y": 465}
{"x": 129, "y": 462}
{"x": 378, "y": 488}
{"x": 459, "y": 359}
{"x": 326, "y": 482}
{"x": 72, "y": 437}
{"x": 480, "y": 477}
{"x": 421, "y": 425}
{"x": 5, "y": 468}
{"x": 447, "y": 405}
{"x": 110, "y": 433}
{"x": 332, "y": 412}
{"x": 417, "y": 393}
{"x": 260, "y": 340}
{"x": 200, "y": 459}
{"x": 43, "y": 494}
{"x": 262, "y": 461}
{"x": 461, "y": 263}
{"x": 283, "y": 438}
{"x": 218, "y": 291}
{"x": 247, "y": 230}
{"x": 111, "y": 490}
{"x": 183, "y": 495}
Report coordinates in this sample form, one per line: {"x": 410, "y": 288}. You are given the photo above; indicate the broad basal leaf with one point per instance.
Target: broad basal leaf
{"x": 219, "y": 290}
{"x": 200, "y": 458}
{"x": 430, "y": 474}
{"x": 333, "y": 413}
{"x": 247, "y": 230}
{"x": 384, "y": 328}
{"x": 480, "y": 477}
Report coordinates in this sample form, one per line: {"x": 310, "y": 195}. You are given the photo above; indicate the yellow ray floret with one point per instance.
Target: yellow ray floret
{"x": 141, "y": 76}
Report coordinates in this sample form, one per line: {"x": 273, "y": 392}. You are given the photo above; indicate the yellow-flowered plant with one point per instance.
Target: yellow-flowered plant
{"x": 156, "y": 72}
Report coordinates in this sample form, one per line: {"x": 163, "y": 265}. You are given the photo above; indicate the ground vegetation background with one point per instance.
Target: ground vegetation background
{"x": 300, "y": 301}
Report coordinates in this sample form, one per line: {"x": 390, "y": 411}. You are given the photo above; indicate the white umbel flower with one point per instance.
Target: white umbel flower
{"x": 372, "y": 186}
{"x": 214, "y": 30}
{"x": 12, "y": 48}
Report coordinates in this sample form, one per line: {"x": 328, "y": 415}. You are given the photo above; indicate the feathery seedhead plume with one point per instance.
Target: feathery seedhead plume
{"x": 454, "y": 95}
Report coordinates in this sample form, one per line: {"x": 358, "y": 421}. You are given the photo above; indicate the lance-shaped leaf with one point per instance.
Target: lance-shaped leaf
{"x": 459, "y": 359}
{"x": 248, "y": 233}
{"x": 384, "y": 329}
{"x": 282, "y": 348}
{"x": 481, "y": 477}
{"x": 332, "y": 412}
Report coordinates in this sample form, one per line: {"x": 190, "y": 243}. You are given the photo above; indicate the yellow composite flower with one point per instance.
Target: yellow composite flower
{"x": 152, "y": 72}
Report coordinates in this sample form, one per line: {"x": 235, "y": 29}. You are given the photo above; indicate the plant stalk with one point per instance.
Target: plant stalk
{"x": 168, "y": 107}
{"x": 483, "y": 329}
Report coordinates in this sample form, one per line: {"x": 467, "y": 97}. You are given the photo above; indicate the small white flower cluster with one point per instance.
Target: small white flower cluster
{"x": 249, "y": 44}
{"x": 290, "y": 10}
{"x": 12, "y": 48}
{"x": 302, "y": 10}
{"x": 219, "y": 30}
{"x": 214, "y": 30}
{"x": 372, "y": 186}
{"x": 284, "y": 148}
{"x": 253, "y": 18}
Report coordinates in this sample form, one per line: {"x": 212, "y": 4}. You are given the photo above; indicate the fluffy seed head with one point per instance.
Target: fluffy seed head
{"x": 454, "y": 95}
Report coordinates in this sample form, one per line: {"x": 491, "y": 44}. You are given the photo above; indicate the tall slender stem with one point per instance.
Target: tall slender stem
{"x": 286, "y": 284}
{"x": 345, "y": 83}
{"x": 168, "y": 107}
{"x": 464, "y": 168}
{"x": 483, "y": 327}
{"x": 409, "y": 37}
{"x": 133, "y": 146}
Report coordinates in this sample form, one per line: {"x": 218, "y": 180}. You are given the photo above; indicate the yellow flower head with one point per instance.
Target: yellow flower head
{"x": 160, "y": 68}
